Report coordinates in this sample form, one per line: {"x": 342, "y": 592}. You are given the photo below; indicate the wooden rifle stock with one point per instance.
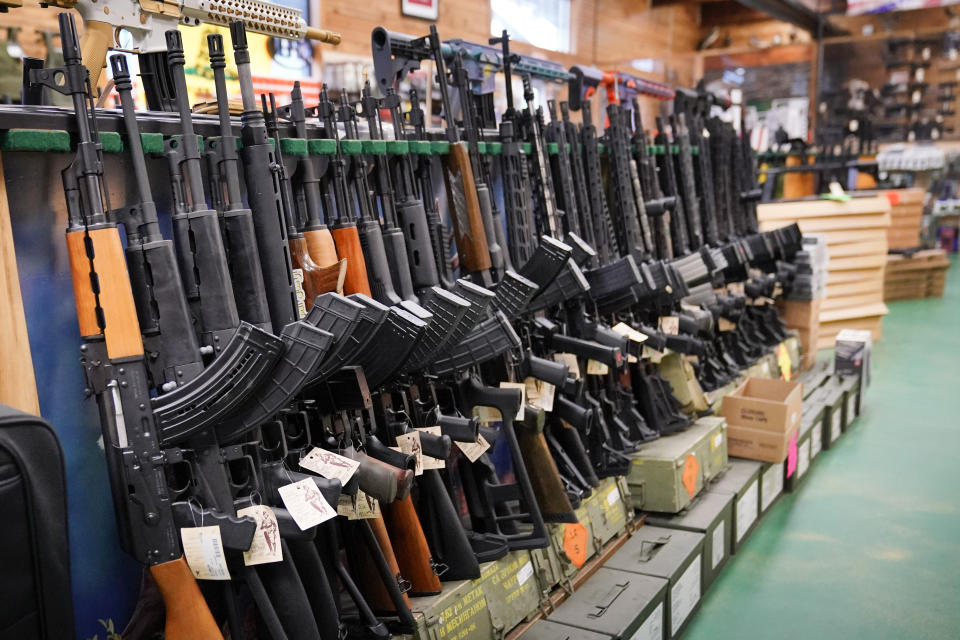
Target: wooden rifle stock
{"x": 467, "y": 217}
{"x": 347, "y": 240}
{"x": 187, "y": 612}
{"x": 415, "y": 559}
{"x": 364, "y": 567}
{"x": 316, "y": 279}
{"x": 542, "y": 468}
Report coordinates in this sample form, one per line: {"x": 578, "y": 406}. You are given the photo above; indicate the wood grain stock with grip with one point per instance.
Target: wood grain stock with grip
{"x": 316, "y": 279}
{"x": 467, "y": 216}
{"x": 112, "y": 284}
{"x": 188, "y": 617}
{"x": 542, "y": 468}
{"x": 365, "y": 569}
{"x": 348, "y": 248}
{"x": 415, "y": 559}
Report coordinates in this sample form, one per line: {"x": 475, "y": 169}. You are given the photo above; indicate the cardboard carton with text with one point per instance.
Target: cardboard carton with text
{"x": 762, "y": 417}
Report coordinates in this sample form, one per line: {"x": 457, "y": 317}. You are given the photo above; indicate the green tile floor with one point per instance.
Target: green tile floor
{"x": 869, "y": 545}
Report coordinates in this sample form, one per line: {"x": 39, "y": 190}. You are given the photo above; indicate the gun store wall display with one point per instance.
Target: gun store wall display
{"x": 674, "y": 555}
{"x": 763, "y": 417}
{"x": 741, "y": 480}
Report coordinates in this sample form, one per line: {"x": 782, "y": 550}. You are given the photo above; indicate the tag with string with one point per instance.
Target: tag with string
{"x": 329, "y": 465}
{"x": 429, "y": 462}
{"x": 670, "y": 325}
{"x": 597, "y": 368}
{"x": 573, "y": 365}
{"x": 629, "y": 332}
{"x": 203, "y": 550}
{"x": 266, "y": 541}
{"x": 409, "y": 443}
{"x": 306, "y": 504}
{"x": 473, "y": 450}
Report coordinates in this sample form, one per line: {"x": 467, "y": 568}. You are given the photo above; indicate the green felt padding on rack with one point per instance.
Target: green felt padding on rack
{"x": 423, "y": 147}
{"x": 695, "y": 151}
{"x": 351, "y": 146}
{"x": 553, "y": 148}
{"x": 293, "y": 146}
{"x": 151, "y": 142}
{"x": 398, "y": 147}
{"x": 601, "y": 148}
{"x": 377, "y": 147}
{"x": 481, "y": 147}
{"x": 657, "y": 149}
{"x": 322, "y": 147}
{"x": 111, "y": 141}
{"x": 34, "y": 140}
{"x": 674, "y": 149}
{"x": 174, "y": 142}
{"x": 494, "y": 148}
{"x": 527, "y": 148}
{"x": 439, "y": 147}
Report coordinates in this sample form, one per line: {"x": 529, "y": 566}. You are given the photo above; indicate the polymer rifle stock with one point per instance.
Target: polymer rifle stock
{"x": 306, "y": 189}
{"x": 113, "y": 359}
{"x": 263, "y": 193}
{"x": 236, "y": 220}
{"x": 310, "y": 279}
{"x": 344, "y": 229}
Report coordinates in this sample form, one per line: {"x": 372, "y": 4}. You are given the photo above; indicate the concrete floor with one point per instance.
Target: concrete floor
{"x": 869, "y": 545}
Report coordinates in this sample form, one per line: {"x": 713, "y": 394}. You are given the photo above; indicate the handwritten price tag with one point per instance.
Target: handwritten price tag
{"x": 330, "y": 465}
{"x": 428, "y": 462}
{"x": 306, "y": 504}
{"x": 629, "y": 332}
{"x": 573, "y": 365}
{"x": 409, "y": 444}
{"x": 474, "y": 450}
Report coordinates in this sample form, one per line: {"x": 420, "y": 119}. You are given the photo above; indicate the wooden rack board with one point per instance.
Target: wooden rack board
{"x": 906, "y": 218}
{"x": 856, "y": 233}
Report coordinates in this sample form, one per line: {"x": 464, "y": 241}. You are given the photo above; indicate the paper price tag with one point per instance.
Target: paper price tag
{"x": 573, "y": 366}
{"x": 670, "y": 325}
{"x": 652, "y": 355}
{"x": 266, "y": 541}
{"x": 540, "y": 394}
{"x": 358, "y": 507}
{"x": 595, "y": 368}
{"x": 474, "y": 450}
{"x": 299, "y": 293}
{"x": 203, "y": 550}
{"x": 735, "y": 288}
{"x": 724, "y": 325}
{"x": 629, "y": 332}
{"x": 523, "y": 398}
{"x": 428, "y": 462}
{"x": 409, "y": 443}
{"x": 306, "y": 504}
{"x": 330, "y": 465}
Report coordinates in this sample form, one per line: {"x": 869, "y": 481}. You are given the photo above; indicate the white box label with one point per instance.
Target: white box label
{"x": 652, "y": 627}
{"x": 803, "y": 458}
{"x": 746, "y": 510}
{"x": 684, "y": 595}
{"x": 613, "y": 497}
{"x": 816, "y": 441}
{"x": 719, "y": 544}
{"x": 771, "y": 485}
{"x": 524, "y": 573}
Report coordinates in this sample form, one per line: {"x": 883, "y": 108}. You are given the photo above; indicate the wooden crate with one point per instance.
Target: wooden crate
{"x": 906, "y": 218}
{"x": 920, "y": 275}
{"x": 856, "y": 233}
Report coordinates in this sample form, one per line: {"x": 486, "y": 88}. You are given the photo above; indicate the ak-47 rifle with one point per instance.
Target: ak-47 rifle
{"x": 307, "y": 195}
{"x": 393, "y": 240}
{"x": 236, "y": 220}
{"x": 310, "y": 279}
{"x": 344, "y": 228}
{"x": 114, "y": 361}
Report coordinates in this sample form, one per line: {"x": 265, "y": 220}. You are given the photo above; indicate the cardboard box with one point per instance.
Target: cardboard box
{"x": 712, "y": 515}
{"x": 619, "y": 604}
{"x": 759, "y": 444}
{"x": 852, "y": 355}
{"x": 758, "y": 404}
{"x": 800, "y": 314}
{"x": 673, "y": 554}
